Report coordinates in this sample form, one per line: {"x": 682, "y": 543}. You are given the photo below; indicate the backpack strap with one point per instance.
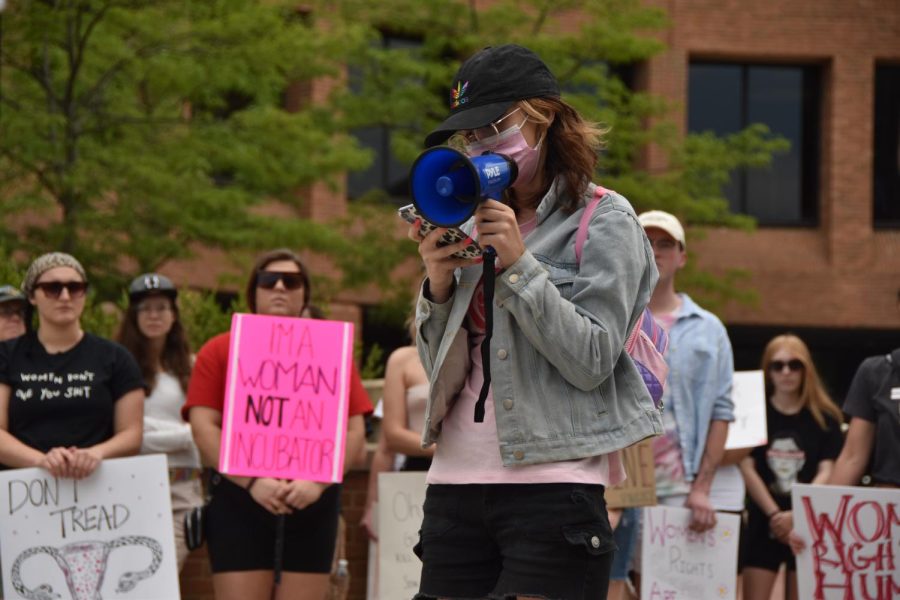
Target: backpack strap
{"x": 581, "y": 236}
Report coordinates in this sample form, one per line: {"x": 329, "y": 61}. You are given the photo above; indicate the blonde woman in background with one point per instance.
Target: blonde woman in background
{"x": 804, "y": 428}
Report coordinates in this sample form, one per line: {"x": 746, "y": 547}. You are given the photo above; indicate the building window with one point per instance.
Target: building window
{"x": 386, "y": 173}
{"x": 886, "y": 181}
{"x": 727, "y": 97}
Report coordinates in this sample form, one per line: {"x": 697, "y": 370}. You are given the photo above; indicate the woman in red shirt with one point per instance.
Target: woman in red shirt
{"x": 242, "y": 515}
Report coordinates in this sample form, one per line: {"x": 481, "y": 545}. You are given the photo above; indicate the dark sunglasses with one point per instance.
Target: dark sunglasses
{"x": 267, "y": 280}
{"x": 11, "y": 310}
{"x": 53, "y": 289}
{"x": 779, "y": 365}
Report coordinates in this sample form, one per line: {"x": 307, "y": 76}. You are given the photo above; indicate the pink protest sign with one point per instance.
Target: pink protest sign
{"x": 852, "y": 537}
{"x": 286, "y": 398}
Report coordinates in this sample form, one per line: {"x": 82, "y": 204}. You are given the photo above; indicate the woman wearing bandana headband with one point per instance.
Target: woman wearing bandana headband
{"x": 68, "y": 399}
{"x": 515, "y": 505}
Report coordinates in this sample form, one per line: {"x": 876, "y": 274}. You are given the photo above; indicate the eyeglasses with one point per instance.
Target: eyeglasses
{"x": 663, "y": 243}
{"x": 53, "y": 289}
{"x": 793, "y": 365}
{"x": 9, "y": 311}
{"x": 267, "y": 280}
{"x": 143, "y": 307}
{"x": 483, "y": 133}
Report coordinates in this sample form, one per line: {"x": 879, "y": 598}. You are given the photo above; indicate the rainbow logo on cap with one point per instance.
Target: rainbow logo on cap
{"x": 457, "y": 93}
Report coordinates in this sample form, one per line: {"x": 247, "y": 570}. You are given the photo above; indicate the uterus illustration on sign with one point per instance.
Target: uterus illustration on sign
{"x": 84, "y": 567}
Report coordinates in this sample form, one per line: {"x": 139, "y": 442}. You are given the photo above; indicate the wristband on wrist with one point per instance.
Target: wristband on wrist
{"x": 250, "y": 483}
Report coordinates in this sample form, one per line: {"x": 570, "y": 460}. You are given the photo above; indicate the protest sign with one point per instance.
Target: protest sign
{"x": 640, "y": 487}
{"x": 286, "y": 398}
{"x": 749, "y": 427}
{"x": 678, "y": 563}
{"x": 103, "y": 537}
{"x": 852, "y": 537}
{"x": 400, "y": 500}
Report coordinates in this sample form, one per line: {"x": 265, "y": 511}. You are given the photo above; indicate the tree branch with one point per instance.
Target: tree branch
{"x": 33, "y": 169}
{"x": 541, "y": 19}
{"x": 89, "y": 97}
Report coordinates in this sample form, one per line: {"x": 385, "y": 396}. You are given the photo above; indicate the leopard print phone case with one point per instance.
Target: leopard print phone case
{"x": 409, "y": 214}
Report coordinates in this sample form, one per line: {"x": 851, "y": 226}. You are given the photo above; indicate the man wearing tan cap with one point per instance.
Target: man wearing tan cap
{"x": 697, "y": 399}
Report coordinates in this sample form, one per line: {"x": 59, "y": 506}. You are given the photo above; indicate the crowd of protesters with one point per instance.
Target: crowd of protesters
{"x": 149, "y": 394}
{"x": 515, "y": 503}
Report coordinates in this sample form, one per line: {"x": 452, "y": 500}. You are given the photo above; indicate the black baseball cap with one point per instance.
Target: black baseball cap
{"x": 488, "y": 83}
{"x": 151, "y": 283}
{"x": 9, "y": 293}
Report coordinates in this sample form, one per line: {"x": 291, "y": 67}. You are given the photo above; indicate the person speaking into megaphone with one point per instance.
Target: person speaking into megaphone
{"x": 527, "y": 426}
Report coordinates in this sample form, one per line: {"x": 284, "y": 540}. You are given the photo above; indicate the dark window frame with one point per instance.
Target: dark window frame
{"x": 886, "y": 145}
{"x": 397, "y": 191}
{"x": 811, "y": 144}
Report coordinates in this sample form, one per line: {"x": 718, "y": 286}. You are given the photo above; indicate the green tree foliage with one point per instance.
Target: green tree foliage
{"x": 203, "y": 316}
{"x": 586, "y": 43}
{"x": 133, "y": 130}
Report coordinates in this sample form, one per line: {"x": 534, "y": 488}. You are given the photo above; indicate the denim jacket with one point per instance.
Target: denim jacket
{"x": 562, "y": 385}
{"x": 698, "y": 388}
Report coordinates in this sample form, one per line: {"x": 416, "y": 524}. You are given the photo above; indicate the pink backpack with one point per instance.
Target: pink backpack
{"x": 647, "y": 342}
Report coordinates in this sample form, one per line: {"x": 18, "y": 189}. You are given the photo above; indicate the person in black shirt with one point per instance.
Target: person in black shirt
{"x": 68, "y": 399}
{"x": 804, "y": 431}
{"x": 873, "y": 404}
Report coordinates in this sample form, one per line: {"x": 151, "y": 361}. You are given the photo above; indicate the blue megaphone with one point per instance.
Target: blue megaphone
{"x": 446, "y": 185}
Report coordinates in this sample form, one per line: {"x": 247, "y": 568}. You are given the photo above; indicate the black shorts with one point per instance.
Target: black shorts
{"x": 240, "y": 534}
{"x": 760, "y": 550}
{"x": 502, "y": 540}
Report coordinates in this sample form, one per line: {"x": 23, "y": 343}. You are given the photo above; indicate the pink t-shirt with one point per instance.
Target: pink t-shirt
{"x": 667, "y": 457}
{"x": 469, "y": 452}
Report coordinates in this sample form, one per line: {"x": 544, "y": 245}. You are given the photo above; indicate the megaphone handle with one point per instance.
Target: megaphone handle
{"x": 487, "y": 281}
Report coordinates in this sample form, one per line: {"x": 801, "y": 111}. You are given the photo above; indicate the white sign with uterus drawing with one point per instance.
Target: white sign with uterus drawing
{"x": 106, "y": 537}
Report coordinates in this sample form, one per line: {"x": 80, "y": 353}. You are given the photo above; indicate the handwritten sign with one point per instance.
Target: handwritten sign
{"x": 107, "y": 536}
{"x": 852, "y": 537}
{"x": 400, "y": 500}
{"x": 640, "y": 487}
{"x": 286, "y": 398}
{"x": 680, "y": 564}
{"x": 749, "y": 427}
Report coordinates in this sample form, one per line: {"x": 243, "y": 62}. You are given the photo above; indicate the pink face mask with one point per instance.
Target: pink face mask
{"x": 510, "y": 142}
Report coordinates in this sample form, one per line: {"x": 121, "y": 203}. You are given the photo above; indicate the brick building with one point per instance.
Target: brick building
{"x": 825, "y": 259}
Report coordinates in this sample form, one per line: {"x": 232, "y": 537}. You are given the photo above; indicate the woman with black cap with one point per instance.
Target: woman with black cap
{"x": 153, "y": 333}
{"x": 515, "y": 504}
{"x": 13, "y": 313}
{"x": 68, "y": 399}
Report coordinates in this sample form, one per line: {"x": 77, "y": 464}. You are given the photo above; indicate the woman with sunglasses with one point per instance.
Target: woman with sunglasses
{"x": 152, "y": 332}
{"x": 68, "y": 399}
{"x": 804, "y": 431}
{"x": 242, "y": 516}
{"x": 515, "y": 503}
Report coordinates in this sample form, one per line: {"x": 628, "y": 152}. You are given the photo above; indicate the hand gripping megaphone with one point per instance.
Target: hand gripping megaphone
{"x": 446, "y": 185}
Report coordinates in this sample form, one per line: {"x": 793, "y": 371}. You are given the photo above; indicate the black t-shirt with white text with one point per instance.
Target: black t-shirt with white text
{"x": 796, "y": 447}
{"x": 875, "y": 396}
{"x": 65, "y": 399}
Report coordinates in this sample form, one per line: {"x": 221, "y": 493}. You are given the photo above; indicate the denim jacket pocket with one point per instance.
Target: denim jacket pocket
{"x": 561, "y": 276}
